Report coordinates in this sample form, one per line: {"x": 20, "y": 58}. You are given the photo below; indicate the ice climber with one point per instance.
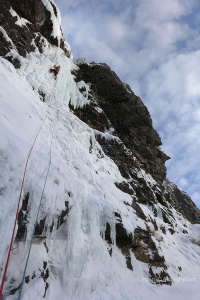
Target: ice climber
{"x": 55, "y": 70}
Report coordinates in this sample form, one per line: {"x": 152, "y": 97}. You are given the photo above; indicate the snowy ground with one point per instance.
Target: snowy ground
{"x": 80, "y": 266}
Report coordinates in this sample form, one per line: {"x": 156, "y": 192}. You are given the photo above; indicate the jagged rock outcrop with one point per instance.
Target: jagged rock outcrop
{"x": 25, "y": 24}
{"x": 127, "y": 114}
{"x": 181, "y": 202}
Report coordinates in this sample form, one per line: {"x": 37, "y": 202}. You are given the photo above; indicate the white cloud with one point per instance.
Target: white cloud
{"x": 117, "y": 30}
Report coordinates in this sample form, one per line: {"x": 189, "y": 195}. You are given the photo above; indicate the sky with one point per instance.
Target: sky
{"x": 154, "y": 46}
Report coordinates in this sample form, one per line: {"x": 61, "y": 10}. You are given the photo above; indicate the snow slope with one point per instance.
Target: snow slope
{"x": 78, "y": 261}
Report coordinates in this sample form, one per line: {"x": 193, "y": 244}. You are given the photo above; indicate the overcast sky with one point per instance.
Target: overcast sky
{"x": 154, "y": 46}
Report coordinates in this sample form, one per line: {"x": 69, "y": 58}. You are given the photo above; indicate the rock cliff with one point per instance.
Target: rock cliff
{"x": 108, "y": 185}
{"x": 25, "y": 25}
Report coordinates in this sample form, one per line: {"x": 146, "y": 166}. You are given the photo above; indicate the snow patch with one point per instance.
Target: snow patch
{"x": 6, "y": 37}
{"x": 20, "y": 21}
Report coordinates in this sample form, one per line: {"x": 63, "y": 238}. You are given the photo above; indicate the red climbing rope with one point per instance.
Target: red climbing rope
{"x": 17, "y": 212}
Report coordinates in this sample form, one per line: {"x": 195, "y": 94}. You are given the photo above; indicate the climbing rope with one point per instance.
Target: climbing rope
{"x": 36, "y": 220}
{"x": 17, "y": 211}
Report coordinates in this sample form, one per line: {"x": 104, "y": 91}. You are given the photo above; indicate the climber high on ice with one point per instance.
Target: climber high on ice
{"x": 55, "y": 70}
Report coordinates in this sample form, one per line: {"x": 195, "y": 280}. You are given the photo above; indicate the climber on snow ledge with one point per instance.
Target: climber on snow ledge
{"x": 55, "y": 70}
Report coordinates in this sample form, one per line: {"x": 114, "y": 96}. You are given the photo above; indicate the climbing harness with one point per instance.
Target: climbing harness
{"x": 17, "y": 211}
{"x": 36, "y": 220}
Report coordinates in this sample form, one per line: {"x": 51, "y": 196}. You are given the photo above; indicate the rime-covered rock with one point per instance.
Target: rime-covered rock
{"x": 26, "y": 25}
{"x": 127, "y": 114}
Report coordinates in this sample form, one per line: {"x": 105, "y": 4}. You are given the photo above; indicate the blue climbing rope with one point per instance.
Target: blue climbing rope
{"x": 17, "y": 211}
{"x": 36, "y": 220}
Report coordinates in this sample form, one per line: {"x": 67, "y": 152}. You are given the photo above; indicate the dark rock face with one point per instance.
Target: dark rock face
{"x": 22, "y": 38}
{"x": 22, "y": 219}
{"x": 128, "y": 115}
{"x": 145, "y": 250}
{"x": 124, "y": 241}
{"x": 142, "y": 243}
{"x": 63, "y": 215}
{"x": 182, "y": 202}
